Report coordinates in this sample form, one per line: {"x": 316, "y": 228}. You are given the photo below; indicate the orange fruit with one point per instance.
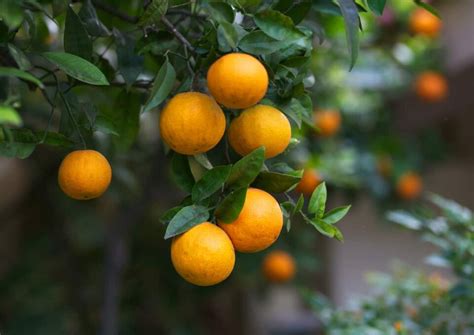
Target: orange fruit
{"x": 308, "y": 183}
{"x": 398, "y": 326}
{"x": 237, "y": 80}
{"x": 192, "y": 123}
{"x": 203, "y": 255}
{"x": 258, "y": 224}
{"x": 257, "y": 126}
{"x": 84, "y": 174}
{"x": 431, "y": 86}
{"x": 327, "y": 121}
{"x": 409, "y": 186}
{"x": 278, "y": 266}
{"x": 422, "y": 22}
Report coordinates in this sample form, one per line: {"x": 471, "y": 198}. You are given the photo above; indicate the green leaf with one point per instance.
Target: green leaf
{"x": 299, "y": 11}
{"x": 170, "y": 214}
{"x": 77, "y": 67}
{"x": 428, "y": 7}
{"x": 12, "y": 72}
{"x": 323, "y": 227}
{"x": 275, "y": 182}
{"x": 210, "y": 182}
{"x": 76, "y": 38}
{"x": 153, "y": 13}
{"x": 9, "y": 116}
{"x": 299, "y": 204}
{"x": 228, "y": 35}
{"x": 221, "y": 12}
{"x": 259, "y": 43}
{"x": 125, "y": 116}
{"x": 229, "y": 209}
{"x": 94, "y": 26}
{"x": 377, "y": 6}
{"x": 245, "y": 170}
{"x": 130, "y": 65}
{"x": 277, "y": 25}
{"x": 181, "y": 172}
{"x": 20, "y": 58}
{"x": 185, "y": 219}
{"x": 11, "y": 13}
{"x": 317, "y": 203}
{"x": 351, "y": 20}
{"x": 162, "y": 86}
{"x": 336, "y": 214}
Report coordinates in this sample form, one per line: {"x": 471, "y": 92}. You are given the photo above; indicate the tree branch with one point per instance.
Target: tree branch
{"x": 176, "y": 33}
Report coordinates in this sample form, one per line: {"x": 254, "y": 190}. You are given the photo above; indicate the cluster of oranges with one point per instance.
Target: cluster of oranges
{"x": 193, "y": 123}
{"x": 430, "y": 86}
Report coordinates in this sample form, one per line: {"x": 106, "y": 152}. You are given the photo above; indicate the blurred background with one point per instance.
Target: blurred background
{"x": 58, "y": 258}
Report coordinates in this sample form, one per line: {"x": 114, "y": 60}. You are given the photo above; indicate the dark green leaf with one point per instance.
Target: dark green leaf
{"x": 351, "y": 20}
{"x": 275, "y": 182}
{"x": 245, "y": 171}
{"x": 181, "y": 172}
{"x": 228, "y": 35}
{"x": 130, "y": 65}
{"x": 277, "y": 25}
{"x": 317, "y": 203}
{"x": 210, "y": 182}
{"x": 185, "y": 219}
{"x": 13, "y": 72}
{"x": 221, "y": 12}
{"x": 428, "y": 7}
{"x": 20, "y": 58}
{"x": 299, "y": 204}
{"x": 89, "y": 16}
{"x": 162, "y": 86}
{"x": 377, "y": 6}
{"x": 170, "y": 214}
{"x": 259, "y": 43}
{"x": 77, "y": 67}
{"x": 11, "y": 13}
{"x": 76, "y": 38}
{"x": 153, "y": 13}
{"x": 229, "y": 209}
{"x": 299, "y": 11}
{"x": 125, "y": 116}
{"x": 336, "y": 214}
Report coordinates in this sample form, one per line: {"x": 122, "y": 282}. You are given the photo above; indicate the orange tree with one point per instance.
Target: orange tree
{"x": 223, "y": 83}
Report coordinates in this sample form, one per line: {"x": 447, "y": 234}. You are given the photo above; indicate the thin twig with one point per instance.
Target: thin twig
{"x": 177, "y": 34}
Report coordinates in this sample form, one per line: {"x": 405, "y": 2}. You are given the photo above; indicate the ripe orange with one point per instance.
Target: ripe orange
{"x": 279, "y": 266}
{"x": 308, "y": 183}
{"x": 431, "y": 86}
{"x": 192, "y": 123}
{"x": 203, "y": 255}
{"x": 409, "y": 186}
{"x": 84, "y": 174}
{"x": 422, "y": 22}
{"x": 259, "y": 223}
{"x": 260, "y": 125}
{"x": 327, "y": 121}
{"x": 237, "y": 80}
{"x": 398, "y": 326}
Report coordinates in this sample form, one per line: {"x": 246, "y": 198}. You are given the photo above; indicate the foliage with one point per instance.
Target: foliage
{"x": 408, "y": 301}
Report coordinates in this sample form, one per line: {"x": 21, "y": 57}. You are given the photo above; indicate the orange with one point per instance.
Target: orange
{"x": 327, "y": 121}
{"x": 422, "y": 22}
{"x": 398, "y": 326}
{"x": 278, "y": 266}
{"x": 308, "y": 183}
{"x": 237, "y": 80}
{"x": 258, "y": 224}
{"x": 203, "y": 255}
{"x": 409, "y": 186}
{"x": 84, "y": 174}
{"x": 431, "y": 86}
{"x": 192, "y": 123}
{"x": 258, "y": 126}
